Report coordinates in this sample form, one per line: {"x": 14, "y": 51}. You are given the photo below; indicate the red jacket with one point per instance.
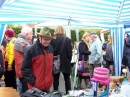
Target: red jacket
{"x": 37, "y": 66}
{"x": 21, "y": 46}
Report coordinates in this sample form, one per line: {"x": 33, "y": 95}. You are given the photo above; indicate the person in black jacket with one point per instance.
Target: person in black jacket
{"x": 38, "y": 60}
{"x": 126, "y": 53}
{"x": 65, "y": 57}
{"x": 109, "y": 57}
{"x": 84, "y": 52}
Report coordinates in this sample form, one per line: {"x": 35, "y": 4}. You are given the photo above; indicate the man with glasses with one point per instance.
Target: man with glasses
{"x": 37, "y": 63}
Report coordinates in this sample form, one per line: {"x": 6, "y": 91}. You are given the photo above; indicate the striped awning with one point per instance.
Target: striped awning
{"x": 96, "y": 13}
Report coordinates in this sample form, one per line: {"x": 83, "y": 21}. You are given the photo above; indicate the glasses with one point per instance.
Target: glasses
{"x": 46, "y": 39}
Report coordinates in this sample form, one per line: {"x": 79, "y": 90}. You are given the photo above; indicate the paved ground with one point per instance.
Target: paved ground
{"x": 62, "y": 84}
{"x": 1, "y": 83}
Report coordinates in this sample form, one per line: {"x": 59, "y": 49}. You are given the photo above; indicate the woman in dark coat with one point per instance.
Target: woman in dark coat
{"x": 65, "y": 57}
{"x": 109, "y": 57}
{"x": 84, "y": 52}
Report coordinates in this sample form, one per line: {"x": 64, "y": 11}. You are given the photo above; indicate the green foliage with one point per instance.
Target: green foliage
{"x": 52, "y": 31}
{"x": 106, "y": 36}
{"x": 17, "y": 29}
{"x": 73, "y": 36}
{"x": 81, "y": 32}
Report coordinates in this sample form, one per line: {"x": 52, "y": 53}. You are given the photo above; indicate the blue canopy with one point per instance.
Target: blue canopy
{"x": 97, "y": 13}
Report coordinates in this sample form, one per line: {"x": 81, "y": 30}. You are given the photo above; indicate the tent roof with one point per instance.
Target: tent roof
{"x": 98, "y": 13}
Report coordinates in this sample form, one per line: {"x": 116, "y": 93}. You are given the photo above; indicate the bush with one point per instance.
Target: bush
{"x": 73, "y": 36}
{"x": 17, "y": 29}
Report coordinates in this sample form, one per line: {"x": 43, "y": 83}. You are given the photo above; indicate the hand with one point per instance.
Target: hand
{"x": 95, "y": 61}
{"x": 10, "y": 69}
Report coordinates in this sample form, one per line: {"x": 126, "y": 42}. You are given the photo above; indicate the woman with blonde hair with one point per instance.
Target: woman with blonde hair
{"x": 62, "y": 46}
{"x": 59, "y": 30}
{"x": 84, "y": 53}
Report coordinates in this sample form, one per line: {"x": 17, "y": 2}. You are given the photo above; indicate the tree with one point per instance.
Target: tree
{"x": 17, "y": 30}
{"x": 73, "y": 36}
{"x": 81, "y": 32}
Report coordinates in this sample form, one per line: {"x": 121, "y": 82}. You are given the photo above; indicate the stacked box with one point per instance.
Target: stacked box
{"x": 98, "y": 92}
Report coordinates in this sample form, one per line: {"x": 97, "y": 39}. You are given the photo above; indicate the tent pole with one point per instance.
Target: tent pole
{"x": 120, "y": 11}
{"x": 2, "y": 31}
{"x": 77, "y": 34}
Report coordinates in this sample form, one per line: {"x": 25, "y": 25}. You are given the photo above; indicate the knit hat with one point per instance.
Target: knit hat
{"x": 9, "y": 32}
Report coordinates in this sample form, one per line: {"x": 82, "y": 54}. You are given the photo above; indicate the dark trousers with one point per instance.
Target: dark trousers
{"x": 128, "y": 61}
{"x": 108, "y": 63}
{"x": 67, "y": 81}
{"x": 10, "y": 76}
{"x": 24, "y": 85}
{"x": 91, "y": 68}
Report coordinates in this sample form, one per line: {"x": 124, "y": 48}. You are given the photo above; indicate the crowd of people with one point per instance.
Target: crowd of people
{"x": 29, "y": 63}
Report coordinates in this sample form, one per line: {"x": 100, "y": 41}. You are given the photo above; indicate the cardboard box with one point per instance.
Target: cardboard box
{"x": 99, "y": 90}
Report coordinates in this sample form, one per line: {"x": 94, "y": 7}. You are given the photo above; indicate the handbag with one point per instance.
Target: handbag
{"x": 57, "y": 61}
{"x": 81, "y": 65}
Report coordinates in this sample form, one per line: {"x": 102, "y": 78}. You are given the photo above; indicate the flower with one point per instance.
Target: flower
{"x": 124, "y": 70}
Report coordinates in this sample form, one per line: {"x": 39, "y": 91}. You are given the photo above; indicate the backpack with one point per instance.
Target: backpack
{"x": 34, "y": 92}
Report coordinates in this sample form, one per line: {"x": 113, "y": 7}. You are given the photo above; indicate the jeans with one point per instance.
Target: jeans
{"x": 67, "y": 81}
{"x": 19, "y": 87}
{"x": 24, "y": 85}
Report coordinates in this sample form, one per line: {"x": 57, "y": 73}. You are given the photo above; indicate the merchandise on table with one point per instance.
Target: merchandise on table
{"x": 117, "y": 79}
{"x": 117, "y": 95}
{"x": 76, "y": 93}
{"x": 115, "y": 84}
{"x": 88, "y": 93}
{"x": 100, "y": 82}
{"x": 125, "y": 88}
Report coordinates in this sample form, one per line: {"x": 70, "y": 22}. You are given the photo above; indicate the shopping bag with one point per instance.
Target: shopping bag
{"x": 81, "y": 65}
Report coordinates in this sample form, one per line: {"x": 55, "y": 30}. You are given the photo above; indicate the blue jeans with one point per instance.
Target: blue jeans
{"x": 19, "y": 87}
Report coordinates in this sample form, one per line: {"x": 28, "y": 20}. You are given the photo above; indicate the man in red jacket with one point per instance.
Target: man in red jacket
{"x": 37, "y": 63}
{"x": 22, "y": 44}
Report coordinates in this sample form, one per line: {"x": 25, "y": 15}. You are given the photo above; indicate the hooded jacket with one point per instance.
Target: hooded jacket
{"x": 20, "y": 48}
{"x": 37, "y": 66}
{"x": 9, "y": 55}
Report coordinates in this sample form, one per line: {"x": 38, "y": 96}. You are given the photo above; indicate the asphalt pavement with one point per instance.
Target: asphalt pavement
{"x": 62, "y": 84}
